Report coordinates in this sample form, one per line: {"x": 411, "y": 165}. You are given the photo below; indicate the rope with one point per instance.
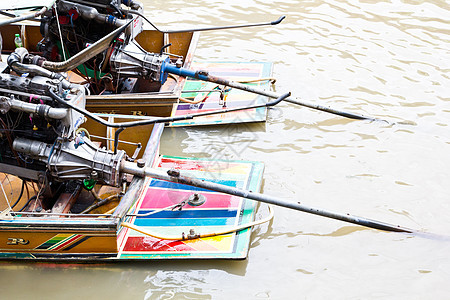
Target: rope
{"x": 202, "y": 99}
{"x": 108, "y": 213}
{"x": 180, "y": 204}
{"x": 6, "y": 197}
{"x": 193, "y": 235}
{"x": 272, "y": 81}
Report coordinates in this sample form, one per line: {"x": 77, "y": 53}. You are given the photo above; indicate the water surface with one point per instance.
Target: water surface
{"x": 388, "y": 59}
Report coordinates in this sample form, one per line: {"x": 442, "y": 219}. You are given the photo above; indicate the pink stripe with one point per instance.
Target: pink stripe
{"x": 160, "y": 198}
{"x": 151, "y": 244}
{"x": 196, "y": 165}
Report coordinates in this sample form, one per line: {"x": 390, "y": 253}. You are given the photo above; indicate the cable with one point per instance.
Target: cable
{"x": 180, "y": 205}
{"x": 28, "y": 202}
{"x": 201, "y": 99}
{"x": 100, "y": 202}
{"x": 21, "y": 194}
{"x": 86, "y": 132}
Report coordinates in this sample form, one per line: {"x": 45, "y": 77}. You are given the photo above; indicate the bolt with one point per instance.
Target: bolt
{"x": 140, "y": 163}
{"x": 94, "y": 175}
{"x": 173, "y": 172}
{"x": 41, "y": 178}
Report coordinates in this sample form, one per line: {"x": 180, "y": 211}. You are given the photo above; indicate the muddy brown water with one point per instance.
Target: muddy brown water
{"x": 388, "y": 59}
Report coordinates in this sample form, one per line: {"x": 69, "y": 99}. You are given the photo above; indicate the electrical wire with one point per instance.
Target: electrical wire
{"x": 86, "y": 132}
{"x": 28, "y": 202}
{"x": 100, "y": 202}
{"x": 20, "y": 195}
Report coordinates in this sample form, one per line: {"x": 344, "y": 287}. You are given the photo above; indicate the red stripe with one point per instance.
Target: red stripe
{"x": 151, "y": 244}
{"x": 67, "y": 242}
{"x": 197, "y": 165}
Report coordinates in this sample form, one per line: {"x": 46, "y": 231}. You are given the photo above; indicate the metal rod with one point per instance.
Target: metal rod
{"x": 85, "y": 54}
{"x": 25, "y": 17}
{"x": 110, "y": 139}
{"x": 134, "y": 12}
{"x": 45, "y": 98}
{"x": 160, "y": 120}
{"x": 175, "y": 176}
{"x": 137, "y": 184}
{"x": 203, "y": 75}
{"x": 200, "y": 91}
{"x": 15, "y": 213}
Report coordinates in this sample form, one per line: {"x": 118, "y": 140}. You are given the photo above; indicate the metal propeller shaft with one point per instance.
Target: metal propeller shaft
{"x": 203, "y": 75}
{"x": 177, "y": 177}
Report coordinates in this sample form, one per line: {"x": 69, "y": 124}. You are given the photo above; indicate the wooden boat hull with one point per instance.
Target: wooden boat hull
{"x": 97, "y": 237}
{"x": 105, "y": 239}
{"x": 37, "y": 236}
{"x": 57, "y": 243}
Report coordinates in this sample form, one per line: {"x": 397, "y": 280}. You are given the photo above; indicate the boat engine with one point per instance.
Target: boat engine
{"x": 78, "y": 24}
{"x": 40, "y": 135}
{"x": 40, "y": 138}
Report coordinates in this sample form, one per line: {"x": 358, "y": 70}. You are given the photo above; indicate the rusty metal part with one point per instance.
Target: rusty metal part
{"x": 66, "y": 200}
{"x": 86, "y": 54}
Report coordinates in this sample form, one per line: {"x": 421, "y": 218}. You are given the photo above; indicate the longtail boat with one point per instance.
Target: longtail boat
{"x": 84, "y": 98}
{"x": 85, "y": 220}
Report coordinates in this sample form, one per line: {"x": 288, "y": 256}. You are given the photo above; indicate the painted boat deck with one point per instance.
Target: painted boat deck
{"x": 217, "y": 213}
{"x": 236, "y": 71}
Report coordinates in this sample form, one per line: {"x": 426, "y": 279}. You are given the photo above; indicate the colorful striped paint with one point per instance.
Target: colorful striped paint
{"x": 237, "y": 71}
{"x": 176, "y": 186}
{"x": 186, "y": 222}
{"x": 189, "y": 214}
{"x": 219, "y": 166}
{"x": 59, "y": 242}
{"x": 218, "y": 213}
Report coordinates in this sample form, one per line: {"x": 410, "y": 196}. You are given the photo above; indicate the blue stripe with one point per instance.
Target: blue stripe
{"x": 76, "y": 243}
{"x": 178, "y": 186}
{"x": 184, "y": 214}
{"x": 185, "y": 222}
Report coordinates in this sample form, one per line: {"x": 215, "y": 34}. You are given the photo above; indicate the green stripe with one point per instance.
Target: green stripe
{"x": 54, "y": 240}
